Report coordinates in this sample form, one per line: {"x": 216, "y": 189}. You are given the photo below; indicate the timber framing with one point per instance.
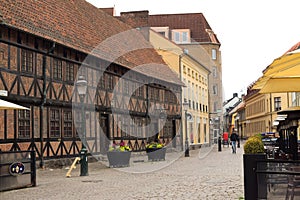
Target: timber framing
{"x": 40, "y": 74}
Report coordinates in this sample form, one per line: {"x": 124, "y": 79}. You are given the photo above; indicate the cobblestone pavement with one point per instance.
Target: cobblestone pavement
{"x": 206, "y": 174}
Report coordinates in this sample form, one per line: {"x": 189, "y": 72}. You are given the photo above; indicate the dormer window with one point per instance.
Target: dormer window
{"x": 181, "y": 36}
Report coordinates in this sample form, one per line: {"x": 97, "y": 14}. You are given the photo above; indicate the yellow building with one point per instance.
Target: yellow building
{"x": 261, "y": 111}
{"x": 195, "y": 76}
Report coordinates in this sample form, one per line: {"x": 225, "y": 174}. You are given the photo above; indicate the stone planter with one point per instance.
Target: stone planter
{"x": 156, "y": 154}
{"x": 118, "y": 158}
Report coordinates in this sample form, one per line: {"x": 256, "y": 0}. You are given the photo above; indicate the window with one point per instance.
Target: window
{"x": 177, "y": 37}
{"x": 184, "y": 37}
{"x": 181, "y": 35}
{"x": 215, "y": 72}
{"x": 110, "y": 82}
{"x": 214, "y": 54}
{"x": 139, "y": 91}
{"x": 215, "y": 89}
{"x": 184, "y": 69}
{"x": 156, "y": 94}
{"x": 70, "y": 72}
{"x": 215, "y": 106}
{"x": 67, "y": 124}
{"x": 277, "y": 103}
{"x": 57, "y": 69}
{"x": 163, "y": 33}
{"x": 26, "y": 61}
{"x": 125, "y": 87}
{"x": 54, "y": 123}
{"x": 24, "y": 123}
{"x": 102, "y": 82}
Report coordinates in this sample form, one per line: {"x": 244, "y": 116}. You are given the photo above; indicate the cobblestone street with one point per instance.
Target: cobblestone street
{"x": 206, "y": 174}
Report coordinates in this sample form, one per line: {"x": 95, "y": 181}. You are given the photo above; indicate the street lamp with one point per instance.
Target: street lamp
{"x": 81, "y": 88}
{"x": 185, "y": 108}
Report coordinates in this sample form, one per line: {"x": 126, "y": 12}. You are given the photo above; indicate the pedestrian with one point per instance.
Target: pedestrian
{"x": 233, "y": 140}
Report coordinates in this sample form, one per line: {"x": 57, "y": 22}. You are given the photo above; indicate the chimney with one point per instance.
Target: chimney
{"x": 235, "y": 95}
{"x": 110, "y": 11}
{"x": 135, "y": 19}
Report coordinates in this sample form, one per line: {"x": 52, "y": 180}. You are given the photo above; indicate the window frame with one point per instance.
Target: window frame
{"x": 26, "y": 61}
{"x": 55, "y": 124}
{"x": 24, "y": 124}
{"x": 68, "y": 124}
{"x": 277, "y": 103}
{"x": 57, "y": 69}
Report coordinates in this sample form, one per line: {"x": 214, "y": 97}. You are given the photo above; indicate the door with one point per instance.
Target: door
{"x": 104, "y": 134}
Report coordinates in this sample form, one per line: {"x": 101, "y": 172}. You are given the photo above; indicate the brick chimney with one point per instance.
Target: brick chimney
{"x": 110, "y": 11}
{"x": 135, "y": 19}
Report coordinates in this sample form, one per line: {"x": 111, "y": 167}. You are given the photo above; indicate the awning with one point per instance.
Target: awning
{"x": 5, "y": 105}
{"x": 291, "y": 112}
{"x": 283, "y": 75}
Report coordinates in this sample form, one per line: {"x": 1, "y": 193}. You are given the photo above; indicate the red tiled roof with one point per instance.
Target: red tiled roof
{"x": 79, "y": 25}
{"x": 196, "y": 22}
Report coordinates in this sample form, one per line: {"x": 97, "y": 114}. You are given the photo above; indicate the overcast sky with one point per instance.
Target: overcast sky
{"x": 252, "y": 32}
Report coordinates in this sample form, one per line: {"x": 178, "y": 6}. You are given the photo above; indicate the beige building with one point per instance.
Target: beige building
{"x": 195, "y": 76}
{"x": 192, "y": 32}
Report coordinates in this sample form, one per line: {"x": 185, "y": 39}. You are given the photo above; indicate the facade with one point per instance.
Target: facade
{"x": 261, "y": 111}
{"x": 228, "y": 111}
{"x": 192, "y": 32}
{"x": 41, "y": 59}
{"x": 195, "y": 77}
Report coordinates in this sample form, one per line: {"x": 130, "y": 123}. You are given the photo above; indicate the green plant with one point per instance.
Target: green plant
{"x": 254, "y": 145}
{"x": 259, "y": 136}
{"x": 154, "y": 145}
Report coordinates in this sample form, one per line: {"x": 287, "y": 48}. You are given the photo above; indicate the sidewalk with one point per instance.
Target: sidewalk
{"x": 206, "y": 174}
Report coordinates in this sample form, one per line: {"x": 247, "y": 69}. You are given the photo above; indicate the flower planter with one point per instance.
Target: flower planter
{"x": 118, "y": 158}
{"x": 255, "y": 185}
{"x": 156, "y": 154}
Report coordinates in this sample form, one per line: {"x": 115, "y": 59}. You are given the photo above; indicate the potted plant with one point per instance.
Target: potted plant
{"x": 119, "y": 155}
{"x": 156, "y": 151}
{"x": 255, "y": 185}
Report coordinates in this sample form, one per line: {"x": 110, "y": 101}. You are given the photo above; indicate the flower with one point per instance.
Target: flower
{"x": 154, "y": 145}
{"x": 119, "y": 147}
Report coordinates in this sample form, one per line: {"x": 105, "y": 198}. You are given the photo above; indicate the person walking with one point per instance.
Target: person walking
{"x": 233, "y": 139}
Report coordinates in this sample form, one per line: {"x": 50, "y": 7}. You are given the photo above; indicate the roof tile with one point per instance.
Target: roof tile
{"x": 79, "y": 25}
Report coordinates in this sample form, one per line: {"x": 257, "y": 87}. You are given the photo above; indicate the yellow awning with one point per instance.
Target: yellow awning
{"x": 278, "y": 85}
{"x": 283, "y": 75}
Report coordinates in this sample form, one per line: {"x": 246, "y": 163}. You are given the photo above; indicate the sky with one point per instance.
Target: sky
{"x": 252, "y": 33}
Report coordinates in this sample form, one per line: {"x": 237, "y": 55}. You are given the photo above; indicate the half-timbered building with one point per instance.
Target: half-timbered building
{"x": 46, "y": 45}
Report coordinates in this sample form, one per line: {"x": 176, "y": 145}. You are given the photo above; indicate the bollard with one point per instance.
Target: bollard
{"x": 219, "y": 144}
